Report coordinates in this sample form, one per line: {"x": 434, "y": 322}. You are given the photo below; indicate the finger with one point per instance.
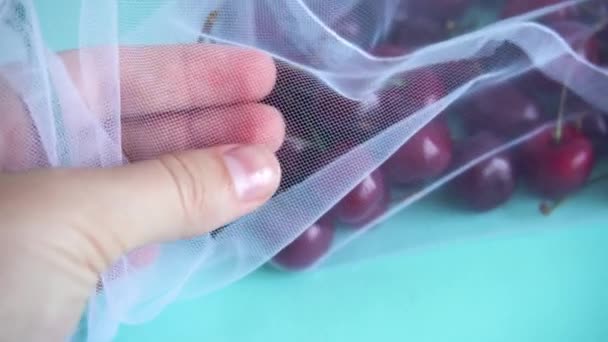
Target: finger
{"x": 186, "y": 76}
{"x": 20, "y": 143}
{"x": 143, "y": 256}
{"x": 146, "y": 138}
{"x": 137, "y": 259}
{"x": 112, "y": 211}
{"x": 172, "y": 78}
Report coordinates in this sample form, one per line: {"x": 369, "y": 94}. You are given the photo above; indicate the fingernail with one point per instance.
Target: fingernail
{"x": 254, "y": 172}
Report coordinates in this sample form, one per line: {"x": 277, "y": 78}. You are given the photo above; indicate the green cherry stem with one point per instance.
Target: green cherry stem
{"x": 557, "y": 135}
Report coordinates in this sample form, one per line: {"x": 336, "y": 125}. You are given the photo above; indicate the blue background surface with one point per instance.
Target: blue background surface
{"x": 550, "y": 287}
{"x": 537, "y": 285}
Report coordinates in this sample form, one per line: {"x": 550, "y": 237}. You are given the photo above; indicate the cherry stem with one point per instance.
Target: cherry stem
{"x": 560, "y": 114}
{"x": 547, "y": 207}
{"x": 564, "y": 93}
{"x": 208, "y": 26}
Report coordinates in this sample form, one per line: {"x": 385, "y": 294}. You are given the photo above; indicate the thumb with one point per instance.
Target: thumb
{"x": 115, "y": 210}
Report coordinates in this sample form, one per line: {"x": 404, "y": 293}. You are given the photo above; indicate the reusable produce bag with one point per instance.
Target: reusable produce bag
{"x": 439, "y": 111}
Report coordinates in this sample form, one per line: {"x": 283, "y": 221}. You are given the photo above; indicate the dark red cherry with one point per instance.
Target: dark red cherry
{"x": 400, "y": 97}
{"x": 502, "y": 109}
{"x": 556, "y": 168}
{"x": 333, "y": 112}
{"x": 426, "y": 155}
{"x": 294, "y": 95}
{"x": 490, "y": 182}
{"x": 456, "y": 73}
{"x": 298, "y": 158}
{"x": 339, "y": 118}
{"x": 418, "y": 88}
{"x": 368, "y": 200}
{"x": 595, "y": 127}
{"x": 308, "y": 248}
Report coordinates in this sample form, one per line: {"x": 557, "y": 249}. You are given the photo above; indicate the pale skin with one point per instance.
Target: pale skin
{"x": 61, "y": 228}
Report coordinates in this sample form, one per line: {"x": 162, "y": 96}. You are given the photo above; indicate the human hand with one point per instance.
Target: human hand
{"x": 61, "y": 228}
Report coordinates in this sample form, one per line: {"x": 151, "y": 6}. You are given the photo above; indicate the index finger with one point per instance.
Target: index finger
{"x": 178, "y": 77}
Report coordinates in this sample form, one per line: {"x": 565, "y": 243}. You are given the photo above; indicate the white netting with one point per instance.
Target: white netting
{"x": 463, "y": 84}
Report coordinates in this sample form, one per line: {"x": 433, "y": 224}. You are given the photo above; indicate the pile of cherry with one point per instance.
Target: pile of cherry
{"x": 553, "y": 164}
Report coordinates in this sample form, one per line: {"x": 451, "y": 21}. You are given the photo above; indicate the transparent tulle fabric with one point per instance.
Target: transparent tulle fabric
{"x": 351, "y": 73}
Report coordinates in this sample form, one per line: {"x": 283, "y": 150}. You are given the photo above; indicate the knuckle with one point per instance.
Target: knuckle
{"x": 193, "y": 180}
{"x": 190, "y": 190}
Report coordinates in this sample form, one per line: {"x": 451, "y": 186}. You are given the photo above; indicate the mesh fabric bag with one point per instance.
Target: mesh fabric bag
{"x": 435, "y": 111}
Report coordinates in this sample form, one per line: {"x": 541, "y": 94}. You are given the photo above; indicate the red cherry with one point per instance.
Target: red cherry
{"x": 421, "y": 88}
{"x": 595, "y": 127}
{"x": 298, "y": 161}
{"x": 368, "y": 200}
{"x": 502, "y": 109}
{"x": 426, "y": 155}
{"x": 491, "y": 182}
{"x": 343, "y": 122}
{"x": 294, "y": 96}
{"x": 402, "y": 96}
{"x": 455, "y": 73}
{"x": 307, "y": 248}
{"x": 556, "y": 168}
